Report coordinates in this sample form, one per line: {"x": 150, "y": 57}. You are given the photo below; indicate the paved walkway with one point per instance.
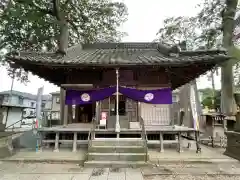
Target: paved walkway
{"x": 208, "y": 154}
{"x": 43, "y": 171}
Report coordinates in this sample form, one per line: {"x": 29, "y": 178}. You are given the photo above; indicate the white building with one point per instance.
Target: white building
{"x": 19, "y": 107}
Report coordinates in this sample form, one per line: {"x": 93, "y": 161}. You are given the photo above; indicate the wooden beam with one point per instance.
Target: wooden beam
{"x": 62, "y": 103}
{"x": 76, "y": 86}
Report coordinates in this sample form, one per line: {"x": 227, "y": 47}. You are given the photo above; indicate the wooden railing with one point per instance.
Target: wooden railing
{"x": 144, "y": 137}
{"x": 91, "y": 134}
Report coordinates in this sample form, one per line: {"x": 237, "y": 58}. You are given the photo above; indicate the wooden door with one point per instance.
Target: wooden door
{"x": 131, "y": 109}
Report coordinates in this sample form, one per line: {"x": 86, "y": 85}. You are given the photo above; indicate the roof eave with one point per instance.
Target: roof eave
{"x": 217, "y": 60}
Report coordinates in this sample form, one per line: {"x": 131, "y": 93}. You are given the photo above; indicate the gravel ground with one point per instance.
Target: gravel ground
{"x": 190, "y": 177}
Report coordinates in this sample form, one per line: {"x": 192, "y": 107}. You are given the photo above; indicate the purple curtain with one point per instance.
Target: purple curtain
{"x": 158, "y": 96}
{"x": 88, "y": 96}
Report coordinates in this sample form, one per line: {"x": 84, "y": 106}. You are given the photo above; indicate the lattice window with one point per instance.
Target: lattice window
{"x": 155, "y": 114}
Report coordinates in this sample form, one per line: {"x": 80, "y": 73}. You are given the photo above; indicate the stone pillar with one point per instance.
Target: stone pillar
{"x": 56, "y": 147}
{"x": 233, "y": 144}
{"x": 233, "y": 137}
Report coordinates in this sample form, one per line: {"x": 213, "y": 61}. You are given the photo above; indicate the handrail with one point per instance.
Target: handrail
{"x": 18, "y": 121}
{"x": 144, "y": 137}
{"x": 91, "y": 133}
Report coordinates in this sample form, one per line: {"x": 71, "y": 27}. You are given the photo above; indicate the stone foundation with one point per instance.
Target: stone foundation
{"x": 233, "y": 144}
{"x": 6, "y": 148}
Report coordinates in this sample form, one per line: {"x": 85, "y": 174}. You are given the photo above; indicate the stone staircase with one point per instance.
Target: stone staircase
{"x": 113, "y": 152}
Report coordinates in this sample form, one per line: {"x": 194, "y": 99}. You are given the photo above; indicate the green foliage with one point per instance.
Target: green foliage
{"x": 210, "y": 101}
{"x": 203, "y": 31}
{"x": 30, "y": 25}
{"x": 178, "y": 29}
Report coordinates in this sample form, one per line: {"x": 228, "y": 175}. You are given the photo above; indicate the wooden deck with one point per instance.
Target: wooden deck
{"x": 79, "y": 135}
{"x": 81, "y": 127}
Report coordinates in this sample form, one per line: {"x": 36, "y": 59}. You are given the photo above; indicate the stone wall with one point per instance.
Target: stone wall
{"x": 233, "y": 144}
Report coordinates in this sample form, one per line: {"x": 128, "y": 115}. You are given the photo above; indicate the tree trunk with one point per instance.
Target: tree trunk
{"x": 228, "y": 105}
{"x": 63, "y": 36}
{"x": 63, "y": 24}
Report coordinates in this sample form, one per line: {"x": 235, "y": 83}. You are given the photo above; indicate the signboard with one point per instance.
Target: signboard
{"x": 193, "y": 102}
{"x": 103, "y": 120}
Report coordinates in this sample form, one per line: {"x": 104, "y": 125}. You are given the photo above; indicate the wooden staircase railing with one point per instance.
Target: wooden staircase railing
{"x": 91, "y": 134}
{"x": 144, "y": 137}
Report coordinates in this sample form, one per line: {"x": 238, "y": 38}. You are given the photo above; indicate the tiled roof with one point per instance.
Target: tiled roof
{"x": 118, "y": 54}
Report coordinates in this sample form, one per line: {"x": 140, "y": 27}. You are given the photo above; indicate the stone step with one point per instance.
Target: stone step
{"x": 116, "y": 156}
{"x": 117, "y": 142}
{"x": 116, "y": 164}
{"x": 116, "y": 149}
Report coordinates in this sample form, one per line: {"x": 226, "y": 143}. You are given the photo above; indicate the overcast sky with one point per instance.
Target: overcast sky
{"x": 144, "y": 20}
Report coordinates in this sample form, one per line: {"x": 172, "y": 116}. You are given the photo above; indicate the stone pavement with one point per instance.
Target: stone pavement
{"x": 64, "y": 155}
{"x": 45, "y": 171}
{"x": 208, "y": 154}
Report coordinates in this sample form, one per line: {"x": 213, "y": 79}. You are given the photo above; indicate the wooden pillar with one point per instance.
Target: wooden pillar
{"x": 171, "y": 115}
{"x": 213, "y": 130}
{"x": 161, "y": 142}
{"x": 62, "y": 105}
{"x": 197, "y": 138}
{"x": 75, "y": 142}
{"x": 179, "y": 142}
{"x": 98, "y": 112}
{"x": 139, "y": 111}
{"x": 76, "y": 114}
{"x": 70, "y": 115}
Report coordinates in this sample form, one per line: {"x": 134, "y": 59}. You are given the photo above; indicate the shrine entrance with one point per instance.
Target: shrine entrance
{"x": 127, "y": 108}
{"x": 84, "y": 113}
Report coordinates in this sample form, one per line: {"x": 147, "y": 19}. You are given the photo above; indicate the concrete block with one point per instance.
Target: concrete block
{"x": 116, "y": 156}
{"x": 116, "y": 149}
{"x": 6, "y": 148}
{"x": 116, "y": 164}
